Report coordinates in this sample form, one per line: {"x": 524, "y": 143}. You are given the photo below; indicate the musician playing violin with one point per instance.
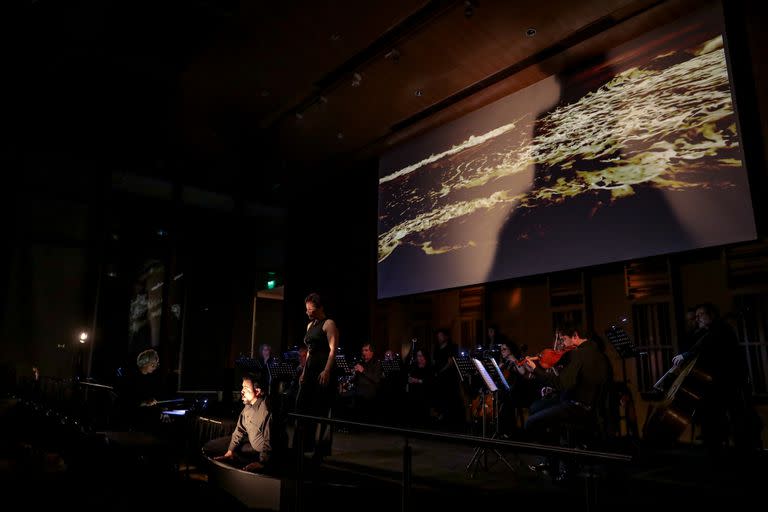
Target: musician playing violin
{"x": 522, "y": 389}
{"x": 582, "y": 385}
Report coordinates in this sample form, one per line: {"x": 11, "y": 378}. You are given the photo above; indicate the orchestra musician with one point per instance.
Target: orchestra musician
{"x": 522, "y": 389}
{"x": 367, "y": 379}
{"x": 495, "y": 338}
{"x": 265, "y": 363}
{"x": 419, "y": 389}
{"x": 727, "y": 407}
{"x": 582, "y": 387}
{"x": 138, "y": 392}
{"x": 447, "y": 403}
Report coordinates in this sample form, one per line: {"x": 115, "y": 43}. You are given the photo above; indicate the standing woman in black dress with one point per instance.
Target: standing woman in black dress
{"x": 316, "y": 386}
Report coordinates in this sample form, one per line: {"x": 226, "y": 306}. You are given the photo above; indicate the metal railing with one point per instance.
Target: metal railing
{"x": 407, "y": 434}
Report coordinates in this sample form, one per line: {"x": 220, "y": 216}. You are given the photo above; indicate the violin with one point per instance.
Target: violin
{"x": 478, "y": 406}
{"x": 548, "y": 357}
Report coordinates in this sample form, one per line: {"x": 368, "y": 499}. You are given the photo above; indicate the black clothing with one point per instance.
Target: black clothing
{"x": 134, "y": 389}
{"x": 583, "y": 379}
{"x": 368, "y": 383}
{"x": 726, "y": 407}
{"x": 581, "y": 405}
{"x": 583, "y": 385}
{"x": 366, "y": 386}
{"x": 316, "y": 339}
{"x": 447, "y": 399}
{"x": 419, "y": 395}
{"x": 312, "y": 398}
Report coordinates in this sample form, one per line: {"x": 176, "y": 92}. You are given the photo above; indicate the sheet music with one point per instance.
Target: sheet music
{"x": 499, "y": 373}
{"x": 621, "y": 341}
{"x": 486, "y": 376}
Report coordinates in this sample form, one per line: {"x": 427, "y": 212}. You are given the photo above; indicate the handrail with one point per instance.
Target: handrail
{"x": 408, "y": 433}
{"x": 463, "y": 439}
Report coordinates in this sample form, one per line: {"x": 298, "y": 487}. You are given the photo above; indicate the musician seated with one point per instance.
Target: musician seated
{"x": 419, "y": 390}
{"x": 249, "y": 447}
{"x": 367, "y": 379}
{"x": 521, "y": 394}
{"x": 138, "y": 392}
{"x": 582, "y": 385}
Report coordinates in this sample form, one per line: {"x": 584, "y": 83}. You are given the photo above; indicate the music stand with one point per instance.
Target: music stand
{"x": 465, "y": 367}
{"x": 283, "y": 370}
{"x": 390, "y": 366}
{"x": 343, "y": 364}
{"x": 496, "y": 374}
{"x": 488, "y": 386}
{"x": 623, "y": 344}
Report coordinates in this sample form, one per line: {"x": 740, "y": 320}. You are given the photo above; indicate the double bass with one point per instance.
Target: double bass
{"x": 672, "y": 415}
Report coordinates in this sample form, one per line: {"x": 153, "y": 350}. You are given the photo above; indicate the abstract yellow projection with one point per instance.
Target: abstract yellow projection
{"x": 668, "y": 125}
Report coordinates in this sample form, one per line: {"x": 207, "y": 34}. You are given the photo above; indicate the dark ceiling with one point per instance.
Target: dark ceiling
{"x": 226, "y": 94}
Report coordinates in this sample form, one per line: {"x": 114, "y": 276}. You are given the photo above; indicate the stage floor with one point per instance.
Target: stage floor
{"x": 53, "y": 467}
{"x": 683, "y": 475}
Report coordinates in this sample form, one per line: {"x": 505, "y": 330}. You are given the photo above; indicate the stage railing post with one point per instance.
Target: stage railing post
{"x": 407, "y": 459}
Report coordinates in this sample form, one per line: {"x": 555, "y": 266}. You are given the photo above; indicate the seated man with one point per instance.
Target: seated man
{"x": 367, "y": 380}
{"x": 250, "y": 444}
{"x": 581, "y": 386}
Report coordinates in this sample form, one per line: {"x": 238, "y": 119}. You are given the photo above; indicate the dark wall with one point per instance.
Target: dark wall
{"x": 332, "y": 251}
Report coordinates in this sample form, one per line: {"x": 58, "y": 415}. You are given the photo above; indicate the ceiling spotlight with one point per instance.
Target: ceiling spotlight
{"x": 530, "y": 32}
{"x": 469, "y": 8}
{"x": 83, "y": 337}
{"x": 393, "y": 55}
{"x": 418, "y": 93}
{"x": 356, "y": 79}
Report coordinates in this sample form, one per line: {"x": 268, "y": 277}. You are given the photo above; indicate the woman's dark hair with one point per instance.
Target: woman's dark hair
{"x": 314, "y": 299}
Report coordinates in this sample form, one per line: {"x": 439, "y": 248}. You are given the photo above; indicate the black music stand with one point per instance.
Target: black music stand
{"x": 626, "y": 349}
{"x": 465, "y": 367}
{"x": 467, "y": 370}
{"x": 489, "y": 386}
{"x": 621, "y": 341}
{"x": 391, "y": 366}
{"x": 283, "y": 370}
{"x": 343, "y": 364}
{"x": 344, "y": 381}
{"x": 623, "y": 344}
